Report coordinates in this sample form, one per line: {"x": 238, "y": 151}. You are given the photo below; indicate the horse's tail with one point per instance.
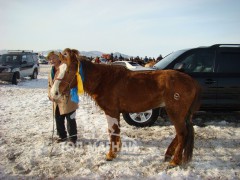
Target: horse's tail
{"x": 189, "y": 140}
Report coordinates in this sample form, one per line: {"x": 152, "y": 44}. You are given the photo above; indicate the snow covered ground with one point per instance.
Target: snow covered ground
{"x": 26, "y": 142}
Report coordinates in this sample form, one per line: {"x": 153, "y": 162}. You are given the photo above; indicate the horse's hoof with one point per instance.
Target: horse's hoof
{"x": 108, "y": 159}
{"x": 110, "y": 156}
{"x": 172, "y": 164}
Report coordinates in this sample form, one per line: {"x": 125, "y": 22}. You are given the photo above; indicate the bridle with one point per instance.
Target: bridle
{"x": 68, "y": 83}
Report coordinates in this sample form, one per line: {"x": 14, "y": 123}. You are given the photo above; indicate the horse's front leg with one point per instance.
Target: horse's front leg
{"x": 114, "y": 134}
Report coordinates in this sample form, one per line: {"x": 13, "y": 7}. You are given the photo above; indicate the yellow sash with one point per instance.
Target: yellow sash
{"x": 79, "y": 82}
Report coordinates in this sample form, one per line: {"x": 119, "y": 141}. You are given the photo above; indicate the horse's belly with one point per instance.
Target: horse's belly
{"x": 141, "y": 105}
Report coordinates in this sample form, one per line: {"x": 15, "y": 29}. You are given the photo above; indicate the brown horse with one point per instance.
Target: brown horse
{"x": 116, "y": 90}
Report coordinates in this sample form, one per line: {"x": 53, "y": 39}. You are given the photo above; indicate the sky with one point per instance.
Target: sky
{"x": 132, "y": 27}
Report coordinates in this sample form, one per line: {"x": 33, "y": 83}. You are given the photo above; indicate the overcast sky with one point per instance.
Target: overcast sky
{"x": 132, "y": 27}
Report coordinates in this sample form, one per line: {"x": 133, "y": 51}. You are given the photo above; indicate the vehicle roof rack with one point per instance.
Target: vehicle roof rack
{"x": 225, "y": 45}
{"x": 19, "y": 51}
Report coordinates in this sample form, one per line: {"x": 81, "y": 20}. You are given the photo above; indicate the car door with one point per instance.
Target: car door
{"x": 24, "y": 66}
{"x": 199, "y": 63}
{"x": 30, "y": 63}
{"x": 228, "y": 72}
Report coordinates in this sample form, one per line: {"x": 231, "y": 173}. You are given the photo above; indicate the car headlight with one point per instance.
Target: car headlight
{"x": 7, "y": 70}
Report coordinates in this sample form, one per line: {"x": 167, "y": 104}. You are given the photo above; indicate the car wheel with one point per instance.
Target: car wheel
{"x": 34, "y": 75}
{"x": 14, "y": 79}
{"x": 142, "y": 119}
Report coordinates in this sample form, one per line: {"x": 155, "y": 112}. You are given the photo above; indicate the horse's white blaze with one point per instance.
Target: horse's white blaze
{"x": 111, "y": 122}
{"x": 55, "y": 88}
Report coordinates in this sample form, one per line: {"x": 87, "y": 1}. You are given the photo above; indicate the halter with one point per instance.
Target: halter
{"x": 69, "y": 83}
{"x": 80, "y": 77}
{"x": 69, "y": 86}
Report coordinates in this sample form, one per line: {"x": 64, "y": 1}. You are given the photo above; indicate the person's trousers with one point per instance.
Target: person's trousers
{"x": 71, "y": 125}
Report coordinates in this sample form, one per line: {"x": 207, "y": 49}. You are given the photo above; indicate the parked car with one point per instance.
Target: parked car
{"x": 18, "y": 64}
{"x": 216, "y": 68}
{"x": 42, "y": 59}
{"x": 127, "y": 64}
{"x": 133, "y": 66}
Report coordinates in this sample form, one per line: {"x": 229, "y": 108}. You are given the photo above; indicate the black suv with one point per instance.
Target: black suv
{"x": 18, "y": 64}
{"x": 216, "y": 68}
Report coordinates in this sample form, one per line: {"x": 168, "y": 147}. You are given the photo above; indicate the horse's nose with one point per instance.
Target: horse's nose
{"x": 56, "y": 93}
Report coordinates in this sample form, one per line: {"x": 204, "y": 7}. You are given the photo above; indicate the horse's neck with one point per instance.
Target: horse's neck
{"x": 100, "y": 76}
{"x": 93, "y": 74}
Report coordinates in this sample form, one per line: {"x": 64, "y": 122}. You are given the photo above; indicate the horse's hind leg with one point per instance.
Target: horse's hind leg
{"x": 171, "y": 149}
{"x": 181, "y": 136}
{"x": 177, "y": 145}
{"x": 115, "y": 140}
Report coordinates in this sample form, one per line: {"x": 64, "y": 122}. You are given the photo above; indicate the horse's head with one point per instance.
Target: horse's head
{"x": 65, "y": 77}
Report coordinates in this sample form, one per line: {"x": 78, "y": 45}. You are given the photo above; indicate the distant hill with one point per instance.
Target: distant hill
{"x": 84, "y": 53}
{"x": 91, "y": 53}
{"x": 123, "y": 55}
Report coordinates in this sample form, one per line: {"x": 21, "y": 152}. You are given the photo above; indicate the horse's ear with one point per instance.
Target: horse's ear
{"x": 66, "y": 56}
{"x": 76, "y": 53}
{"x": 61, "y": 57}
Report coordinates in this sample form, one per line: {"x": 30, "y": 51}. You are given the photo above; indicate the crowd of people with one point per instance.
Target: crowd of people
{"x": 109, "y": 58}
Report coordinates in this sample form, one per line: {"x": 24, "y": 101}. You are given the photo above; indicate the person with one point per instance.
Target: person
{"x": 97, "y": 60}
{"x": 159, "y": 58}
{"x": 145, "y": 59}
{"x": 120, "y": 58}
{"x": 63, "y": 108}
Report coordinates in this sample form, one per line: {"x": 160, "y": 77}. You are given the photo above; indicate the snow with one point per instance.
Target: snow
{"x": 26, "y": 149}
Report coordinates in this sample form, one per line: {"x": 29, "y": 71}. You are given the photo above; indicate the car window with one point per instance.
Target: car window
{"x": 36, "y": 59}
{"x": 168, "y": 59}
{"x": 24, "y": 58}
{"x": 29, "y": 59}
{"x": 198, "y": 61}
{"x": 15, "y": 59}
{"x": 10, "y": 59}
{"x": 229, "y": 62}
{"x": 133, "y": 63}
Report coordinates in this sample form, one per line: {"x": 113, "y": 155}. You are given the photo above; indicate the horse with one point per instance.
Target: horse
{"x": 117, "y": 90}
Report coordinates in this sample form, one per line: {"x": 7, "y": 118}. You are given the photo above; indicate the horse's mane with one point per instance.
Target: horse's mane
{"x": 105, "y": 69}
